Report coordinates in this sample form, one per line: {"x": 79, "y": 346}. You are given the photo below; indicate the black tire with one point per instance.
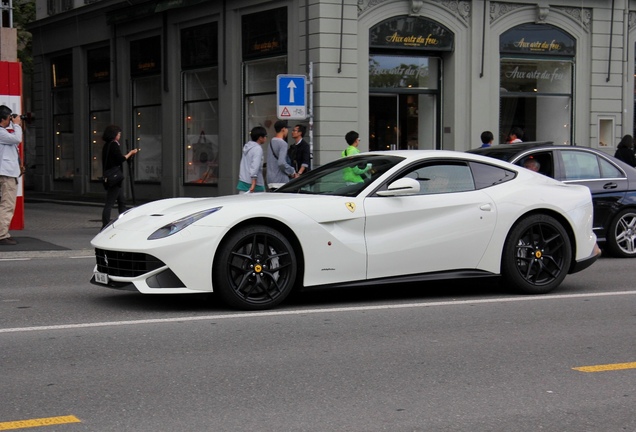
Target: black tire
{"x": 255, "y": 268}
{"x": 621, "y": 235}
{"x": 537, "y": 255}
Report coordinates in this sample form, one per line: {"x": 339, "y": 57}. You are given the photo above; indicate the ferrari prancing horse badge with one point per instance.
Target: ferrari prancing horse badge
{"x": 351, "y": 206}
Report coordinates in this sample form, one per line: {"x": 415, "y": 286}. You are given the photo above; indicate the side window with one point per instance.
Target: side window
{"x": 488, "y": 175}
{"x": 542, "y": 162}
{"x": 580, "y": 165}
{"x": 608, "y": 170}
{"x": 443, "y": 177}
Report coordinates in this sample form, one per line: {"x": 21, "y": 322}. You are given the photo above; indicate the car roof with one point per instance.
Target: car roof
{"x": 413, "y": 155}
{"x": 508, "y": 152}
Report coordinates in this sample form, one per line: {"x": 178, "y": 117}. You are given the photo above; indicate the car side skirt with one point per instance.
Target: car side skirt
{"x": 422, "y": 277}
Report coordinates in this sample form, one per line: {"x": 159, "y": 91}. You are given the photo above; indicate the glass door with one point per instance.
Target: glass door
{"x": 402, "y": 121}
{"x": 383, "y": 122}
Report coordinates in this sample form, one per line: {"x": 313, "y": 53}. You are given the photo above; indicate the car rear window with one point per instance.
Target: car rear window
{"x": 486, "y": 175}
{"x": 497, "y": 153}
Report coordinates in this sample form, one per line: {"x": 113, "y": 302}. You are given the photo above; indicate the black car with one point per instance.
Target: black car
{"x": 612, "y": 183}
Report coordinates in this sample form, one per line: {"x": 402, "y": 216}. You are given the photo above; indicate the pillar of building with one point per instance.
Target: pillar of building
{"x": 8, "y": 44}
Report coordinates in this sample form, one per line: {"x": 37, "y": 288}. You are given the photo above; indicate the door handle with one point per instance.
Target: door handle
{"x": 610, "y": 186}
{"x": 485, "y": 207}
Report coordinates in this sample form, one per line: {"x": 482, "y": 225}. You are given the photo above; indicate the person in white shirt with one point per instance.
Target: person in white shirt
{"x": 10, "y": 139}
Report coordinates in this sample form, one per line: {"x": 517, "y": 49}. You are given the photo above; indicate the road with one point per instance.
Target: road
{"x": 454, "y": 357}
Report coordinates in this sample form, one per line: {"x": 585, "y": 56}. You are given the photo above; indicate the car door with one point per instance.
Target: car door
{"x": 448, "y": 225}
{"x": 606, "y": 181}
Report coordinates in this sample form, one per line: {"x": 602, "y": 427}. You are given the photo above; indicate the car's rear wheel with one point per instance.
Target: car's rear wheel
{"x": 621, "y": 235}
{"x": 255, "y": 268}
{"x": 537, "y": 255}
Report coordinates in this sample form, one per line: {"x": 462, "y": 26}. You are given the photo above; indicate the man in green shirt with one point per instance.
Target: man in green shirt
{"x": 354, "y": 174}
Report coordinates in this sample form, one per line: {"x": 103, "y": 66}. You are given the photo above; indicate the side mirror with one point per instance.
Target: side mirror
{"x": 401, "y": 187}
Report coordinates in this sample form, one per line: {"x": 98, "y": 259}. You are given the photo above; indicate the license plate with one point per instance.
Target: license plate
{"x": 101, "y": 278}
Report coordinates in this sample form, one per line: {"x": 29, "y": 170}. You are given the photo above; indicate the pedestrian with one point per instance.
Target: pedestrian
{"x": 279, "y": 171}
{"x": 353, "y": 140}
{"x": 355, "y": 174}
{"x": 112, "y": 157}
{"x": 251, "y": 168}
{"x": 10, "y": 139}
{"x": 299, "y": 151}
{"x": 515, "y": 136}
{"x": 486, "y": 139}
{"x": 625, "y": 151}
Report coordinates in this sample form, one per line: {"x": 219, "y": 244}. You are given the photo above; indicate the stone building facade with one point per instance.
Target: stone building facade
{"x": 188, "y": 79}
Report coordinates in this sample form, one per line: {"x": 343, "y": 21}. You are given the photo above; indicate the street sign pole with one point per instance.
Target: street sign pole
{"x": 311, "y": 115}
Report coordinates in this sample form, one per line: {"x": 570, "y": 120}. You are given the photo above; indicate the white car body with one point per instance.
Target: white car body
{"x": 354, "y": 239}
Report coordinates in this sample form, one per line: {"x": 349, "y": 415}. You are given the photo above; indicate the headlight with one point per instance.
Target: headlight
{"x": 178, "y": 225}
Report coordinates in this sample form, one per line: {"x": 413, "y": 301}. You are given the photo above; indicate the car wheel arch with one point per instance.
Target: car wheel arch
{"x": 284, "y": 229}
{"x": 561, "y": 219}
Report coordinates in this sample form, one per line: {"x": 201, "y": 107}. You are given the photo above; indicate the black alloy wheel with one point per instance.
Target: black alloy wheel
{"x": 255, "y": 268}
{"x": 537, "y": 255}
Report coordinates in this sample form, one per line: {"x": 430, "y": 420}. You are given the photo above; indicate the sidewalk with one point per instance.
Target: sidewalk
{"x": 54, "y": 227}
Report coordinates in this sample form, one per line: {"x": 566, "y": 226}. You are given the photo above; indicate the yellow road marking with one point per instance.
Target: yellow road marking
{"x": 46, "y": 421}
{"x": 606, "y": 367}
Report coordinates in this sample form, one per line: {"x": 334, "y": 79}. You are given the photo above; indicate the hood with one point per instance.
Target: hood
{"x": 233, "y": 208}
{"x": 249, "y": 146}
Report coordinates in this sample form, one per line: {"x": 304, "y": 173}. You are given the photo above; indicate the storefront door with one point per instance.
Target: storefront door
{"x": 402, "y": 121}
{"x": 406, "y": 55}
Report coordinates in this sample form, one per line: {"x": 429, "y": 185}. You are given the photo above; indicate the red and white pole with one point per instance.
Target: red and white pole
{"x": 11, "y": 96}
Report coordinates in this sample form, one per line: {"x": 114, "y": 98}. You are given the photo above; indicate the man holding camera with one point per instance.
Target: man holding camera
{"x": 10, "y": 139}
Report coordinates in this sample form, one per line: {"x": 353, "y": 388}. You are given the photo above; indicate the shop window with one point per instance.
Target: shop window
{"x": 264, "y": 34}
{"x": 145, "y": 63}
{"x": 260, "y": 92}
{"x": 536, "y": 95}
{"x": 199, "y": 56}
{"x": 147, "y": 133}
{"x": 201, "y": 108}
{"x": 390, "y": 71}
{"x": 536, "y": 83}
{"x": 98, "y": 77}
{"x": 605, "y": 132}
{"x": 62, "y": 102}
{"x": 99, "y": 102}
{"x": 264, "y": 57}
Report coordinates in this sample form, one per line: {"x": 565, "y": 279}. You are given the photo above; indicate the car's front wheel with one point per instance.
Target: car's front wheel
{"x": 621, "y": 235}
{"x": 537, "y": 255}
{"x": 255, "y": 268}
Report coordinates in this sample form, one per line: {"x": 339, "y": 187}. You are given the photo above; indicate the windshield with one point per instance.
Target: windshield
{"x": 343, "y": 177}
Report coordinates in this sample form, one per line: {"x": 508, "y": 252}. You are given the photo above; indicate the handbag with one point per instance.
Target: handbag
{"x": 113, "y": 176}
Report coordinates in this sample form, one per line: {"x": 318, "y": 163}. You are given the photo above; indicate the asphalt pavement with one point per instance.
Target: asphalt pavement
{"x": 57, "y": 228}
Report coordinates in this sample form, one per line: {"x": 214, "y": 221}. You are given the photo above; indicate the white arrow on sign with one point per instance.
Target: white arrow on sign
{"x": 291, "y": 86}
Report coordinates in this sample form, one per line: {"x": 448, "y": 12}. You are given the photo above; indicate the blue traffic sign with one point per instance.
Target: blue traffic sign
{"x": 290, "y": 92}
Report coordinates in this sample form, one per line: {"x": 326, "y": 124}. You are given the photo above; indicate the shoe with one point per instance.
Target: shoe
{"x": 8, "y": 242}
